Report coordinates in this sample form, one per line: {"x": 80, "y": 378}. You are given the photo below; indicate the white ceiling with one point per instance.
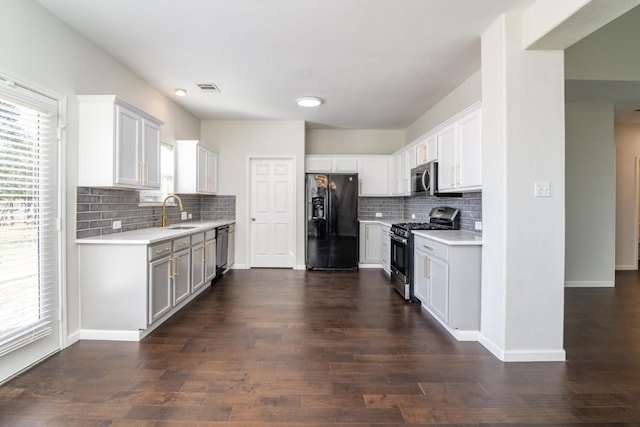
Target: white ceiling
{"x": 379, "y": 64}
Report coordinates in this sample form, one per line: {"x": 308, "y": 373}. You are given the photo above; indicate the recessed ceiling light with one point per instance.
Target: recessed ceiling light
{"x": 180, "y": 92}
{"x": 309, "y": 101}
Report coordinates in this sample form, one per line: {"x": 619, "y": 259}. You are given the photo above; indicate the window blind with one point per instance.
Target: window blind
{"x": 28, "y": 216}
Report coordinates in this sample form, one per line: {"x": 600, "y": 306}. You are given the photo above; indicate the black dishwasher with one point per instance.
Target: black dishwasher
{"x": 222, "y": 243}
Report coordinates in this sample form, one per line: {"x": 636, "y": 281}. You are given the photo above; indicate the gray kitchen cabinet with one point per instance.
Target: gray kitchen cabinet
{"x": 370, "y": 242}
{"x": 119, "y": 144}
{"x": 447, "y": 281}
{"x": 231, "y": 255}
{"x": 385, "y": 248}
{"x": 197, "y": 261}
{"x": 159, "y": 287}
{"x": 128, "y": 288}
{"x": 181, "y": 269}
{"x": 160, "y": 295}
{"x": 209, "y": 256}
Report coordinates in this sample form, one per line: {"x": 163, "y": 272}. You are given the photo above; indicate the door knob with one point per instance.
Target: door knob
{"x": 253, "y": 219}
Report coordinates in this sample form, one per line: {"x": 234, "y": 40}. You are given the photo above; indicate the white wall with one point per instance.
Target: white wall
{"x": 39, "y": 49}
{"x": 611, "y": 53}
{"x": 235, "y": 141}
{"x": 465, "y": 95}
{"x": 523, "y": 241}
{"x": 627, "y": 140}
{"x": 590, "y": 183}
{"x": 353, "y": 141}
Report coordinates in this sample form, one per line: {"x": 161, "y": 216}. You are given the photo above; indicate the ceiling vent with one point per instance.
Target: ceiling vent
{"x": 208, "y": 87}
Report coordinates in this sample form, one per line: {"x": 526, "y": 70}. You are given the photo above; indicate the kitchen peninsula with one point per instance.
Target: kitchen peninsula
{"x": 132, "y": 282}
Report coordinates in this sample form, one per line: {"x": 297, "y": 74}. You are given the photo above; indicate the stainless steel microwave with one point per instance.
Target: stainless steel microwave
{"x": 424, "y": 179}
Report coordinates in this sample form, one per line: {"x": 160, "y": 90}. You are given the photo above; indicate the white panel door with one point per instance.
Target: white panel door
{"x": 272, "y": 213}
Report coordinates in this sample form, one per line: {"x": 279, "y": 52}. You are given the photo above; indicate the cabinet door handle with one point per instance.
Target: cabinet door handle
{"x": 182, "y": 245}
{"x": 161, "y": 251}
{"x": 458, "y": 175}
{"x": 176, "y": 259}
{"x": 427, "y": 267}
{"x": 427, "y": 247}
{"x": 453, "y": 175}
{"x": 140, "y": 179}
{"x": 204, "y": 254}
{"x": 146, "y": 172}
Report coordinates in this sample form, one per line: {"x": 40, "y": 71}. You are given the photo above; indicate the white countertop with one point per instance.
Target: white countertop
{"x": 152, "y": 235}
{"x": 451, "y": 237}
{"x": 384, "y": 221}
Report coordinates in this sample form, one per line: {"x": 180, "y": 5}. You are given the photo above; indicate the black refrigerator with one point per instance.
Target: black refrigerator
{"x": 332, "y": 221}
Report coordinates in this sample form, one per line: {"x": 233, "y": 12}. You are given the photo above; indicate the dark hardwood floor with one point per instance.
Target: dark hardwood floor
{"x": 296, "y": 348}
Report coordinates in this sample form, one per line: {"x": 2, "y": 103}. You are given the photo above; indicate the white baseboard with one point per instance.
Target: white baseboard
{"x": 626, "y": 267}
{"x": 522, "y": 355}
{"x": 107, "y": 335}
{"x": 300, "y": 267}
{"x": 73, "y": 338}
{"x": 535, "y": 356}
{"x": 588, "y": 284}
{"x": 238, "y": 267}
{"x": 360, "y": 265}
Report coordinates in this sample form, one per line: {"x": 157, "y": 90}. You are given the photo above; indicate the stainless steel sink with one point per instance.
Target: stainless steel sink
{"x": 181, "y": 227}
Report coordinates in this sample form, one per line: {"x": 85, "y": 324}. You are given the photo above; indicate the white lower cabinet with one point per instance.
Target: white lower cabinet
{"x": 385, "y": 248}
{"x": 447, "y": 282}
{"x": 370, "y": 242}
{"x": 231, "y": 254}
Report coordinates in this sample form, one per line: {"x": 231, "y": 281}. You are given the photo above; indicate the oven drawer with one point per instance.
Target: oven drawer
{"x": 431, "y": 247}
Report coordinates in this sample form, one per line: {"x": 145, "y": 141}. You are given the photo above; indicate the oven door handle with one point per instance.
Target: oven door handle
{"x": 398, "y": 239}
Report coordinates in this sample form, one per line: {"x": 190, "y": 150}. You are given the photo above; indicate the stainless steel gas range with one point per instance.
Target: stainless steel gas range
{"x": 442, "y": 218}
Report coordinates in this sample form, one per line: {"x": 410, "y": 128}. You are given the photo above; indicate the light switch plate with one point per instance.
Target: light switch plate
{"x": 378, "y": 214}
{"x": 117, "y": 225}
{"x": 183, "y": 215}
{"x": 478, "y": 225}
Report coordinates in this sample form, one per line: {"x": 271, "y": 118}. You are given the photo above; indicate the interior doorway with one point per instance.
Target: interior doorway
{"x": 272, "y": 228}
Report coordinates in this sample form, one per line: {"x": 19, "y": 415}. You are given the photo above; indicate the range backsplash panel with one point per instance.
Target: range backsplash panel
{"x": 401, "y": 208}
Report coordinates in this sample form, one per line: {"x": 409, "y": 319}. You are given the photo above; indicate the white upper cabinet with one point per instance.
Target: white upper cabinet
{"x": 459, "y": 154}
{"x": 119, "y": 144}
{"x": 335, "y": 164}
{"x": 427, "y": 150}
{"x": 196, "y": 168}
{"x": 374, "y": 175}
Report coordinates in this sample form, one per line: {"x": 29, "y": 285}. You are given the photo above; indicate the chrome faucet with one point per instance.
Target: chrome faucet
{"x": 165, "y": 220}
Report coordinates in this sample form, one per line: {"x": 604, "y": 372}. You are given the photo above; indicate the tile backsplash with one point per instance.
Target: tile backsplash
{"x": 401, "y": 208}
{"x": 97, "y": 208}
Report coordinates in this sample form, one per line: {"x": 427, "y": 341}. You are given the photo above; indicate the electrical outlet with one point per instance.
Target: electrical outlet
{"x": 117, "y": 225}
{"x": 542, "y": 189}
{"x": 190, "y": 216}
{"x": 413, "y": 216}
{"x": 378, "y": 214}
{"x": 478, "y": 225}
{"x": 183, "y": 216}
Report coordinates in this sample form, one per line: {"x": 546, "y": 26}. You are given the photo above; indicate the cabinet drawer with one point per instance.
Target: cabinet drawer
{"x": 197, "y": 238}
{"x": 159, "y": 250}
{"x": 181, "y": 243}
{"x": 210, "y": 235}
{"x": 431, "y": 247}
